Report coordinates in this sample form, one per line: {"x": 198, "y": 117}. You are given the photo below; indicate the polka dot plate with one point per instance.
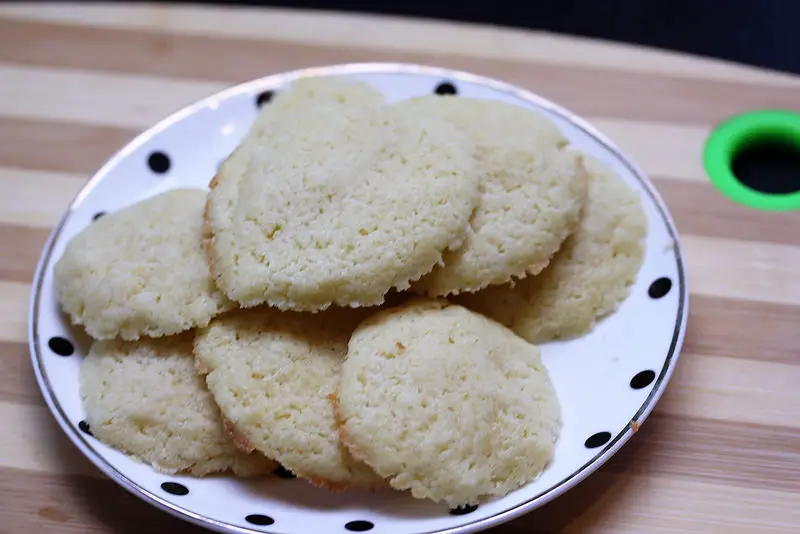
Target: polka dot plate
{"x": 608, "y": 381}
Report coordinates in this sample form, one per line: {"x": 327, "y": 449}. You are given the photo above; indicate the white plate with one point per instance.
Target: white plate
{"x": 607, "y": 381}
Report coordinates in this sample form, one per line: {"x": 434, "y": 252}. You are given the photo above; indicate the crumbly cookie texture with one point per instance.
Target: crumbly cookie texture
{"x": 271, "y": 373}
{"x": 145, "y": 399}
{"x": 588, "y": 278}
{"x": 532, "y": 192}
{"x": 141, "y": 271}
{"x": 338, "y": 206}
{"x": 446, "y": 403}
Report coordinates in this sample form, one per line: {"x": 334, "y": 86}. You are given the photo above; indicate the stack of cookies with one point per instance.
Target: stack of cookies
{"x": 358, "y": 299}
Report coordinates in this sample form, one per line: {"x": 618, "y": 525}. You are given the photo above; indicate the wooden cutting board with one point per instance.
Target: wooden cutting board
{"x": 721, "y": 452}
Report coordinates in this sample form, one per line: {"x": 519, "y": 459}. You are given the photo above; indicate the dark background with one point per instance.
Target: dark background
{"x": 759, "y": 32}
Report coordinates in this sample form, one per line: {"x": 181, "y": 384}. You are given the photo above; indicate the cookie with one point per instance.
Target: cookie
{"x": 304, "y": 95}
{"x": 308, "y": 94}
{"x": 145, "y": 399}
{"x": 532, "y": 193}
{"x": 446, "y": 403}
{"x": 141, "y": 271}
{"x": 339, "y": 206}
{"x": 588, "y": 278}
{"x": 271, "y": 373}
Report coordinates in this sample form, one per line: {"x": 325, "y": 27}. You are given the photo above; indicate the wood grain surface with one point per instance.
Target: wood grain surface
{"x": 721, "y": 452}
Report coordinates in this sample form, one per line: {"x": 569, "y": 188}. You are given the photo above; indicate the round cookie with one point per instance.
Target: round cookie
{"x": 145, "y": 399}
{"x": 304, "y": 95}
{"x": 339, "y": 206}
{"x": 141, "y": 271}
{"x": 308, "y": 94}
{"x": 271, "y": 374}
{"x": 532, "y": 193}
{"x": 588, "y": 278}
{"x": 446, "y": 403}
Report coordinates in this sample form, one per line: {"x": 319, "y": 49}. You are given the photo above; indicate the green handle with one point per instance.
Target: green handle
{"x": 736, "y": 133}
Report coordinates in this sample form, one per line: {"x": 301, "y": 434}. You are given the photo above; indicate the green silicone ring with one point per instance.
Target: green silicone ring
{"x": 734, "y": 134}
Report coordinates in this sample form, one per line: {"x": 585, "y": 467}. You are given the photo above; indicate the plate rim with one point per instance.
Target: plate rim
{"x": 275, "y": 80}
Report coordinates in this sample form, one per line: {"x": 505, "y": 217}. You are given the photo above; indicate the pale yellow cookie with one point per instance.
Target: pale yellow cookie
{"x": 304, "y": 95}
{"x": 271, "y": 373}
{"x": 339, "y": 206}
{"x": 145, "y": 399}
{"x": 446, "y": 403}
{"x": 141, "y": 271}
{"x": 308, "y": 94}
{"x": 532, "y": 192}
{"x": 588, "y": 278}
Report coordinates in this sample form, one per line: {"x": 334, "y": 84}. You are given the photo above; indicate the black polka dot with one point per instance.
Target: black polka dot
{"x": 282, "y": 472}
{"x": 463, "y": 510}
{"x": 158, "y": 162}
{"x": 445, "y": 88}
{"x": 597, "y": 440}
{"x": 659, "y": 288}
{"x": 264, "y": 98}
{"x": 84, "y": 426}
{"x": 61, "y": 346}
{"x": 643, "y": 379}
{"x": 98, "y": 215}
{"x": 175, "y": 488}
{"x": 258, "y": 519}
{"x": 359, "y": 526}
